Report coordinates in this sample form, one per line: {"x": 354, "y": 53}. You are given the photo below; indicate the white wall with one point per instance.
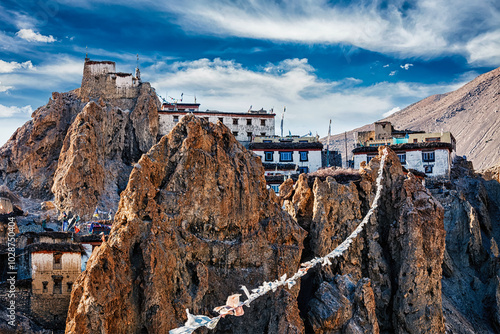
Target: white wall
{"x": 96, "y": 69}
{"x": 441, "y": 164}
{"x": 167, "y": 123}
{"x": 314, "y": 159}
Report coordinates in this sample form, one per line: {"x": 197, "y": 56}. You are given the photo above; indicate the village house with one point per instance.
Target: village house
{"x": 284, "y": 157}
{"x": 52, "y": 262}
{"x": 243, "y": 125}
{"x": 429, "y": 153}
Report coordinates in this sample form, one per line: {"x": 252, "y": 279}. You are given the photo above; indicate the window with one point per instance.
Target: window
{"x": 57, "y": 286}
{"x": 249, "y": 121}
{"x": 304, "y": 169}
{"x": 263, "y": 122}
{"x": 249, "y": 135}
{"x": 45, "y": 283}
{"x": 370, "y": 157}
{"x": 275, "y": 187}
{"x": 428, "y": 169}
{"x": 262, "y": 133}
{"x": 57, "y": 261}
{"x": 268, "y": 141}
{"x": 286, "y": 156}
{"x": 235, "y": 133}
{"x": 221, "y": 119}
{"x": 304, "y": 156}
{"x": 176, "y": 119}
{"x": 206, "y": 118}
{"x": 402, "y": 158}
{"x": 433, "y": 139}
{"x": 70, "y": 285}
{"x": 415, "y": 140}
{"x": 235, "y": 121}
{"x": 428, "y": 156}
{"x": 268, "y": 156}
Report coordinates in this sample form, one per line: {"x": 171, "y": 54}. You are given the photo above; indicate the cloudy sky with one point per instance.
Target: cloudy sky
{"x": 349, "y": 61}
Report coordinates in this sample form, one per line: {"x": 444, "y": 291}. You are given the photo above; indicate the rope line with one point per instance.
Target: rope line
{"x": 235, "y": 307}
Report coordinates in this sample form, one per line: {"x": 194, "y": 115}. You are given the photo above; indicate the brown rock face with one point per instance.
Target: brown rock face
{"x": 194, "y": 224}
{"x": 399, "y": 255}
{"x": 81, "y": 153}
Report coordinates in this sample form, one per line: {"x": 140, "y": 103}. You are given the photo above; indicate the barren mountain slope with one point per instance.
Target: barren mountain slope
{"x": 471, "y": 113}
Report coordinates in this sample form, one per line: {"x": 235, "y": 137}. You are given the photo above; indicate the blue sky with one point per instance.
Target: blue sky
{"x": 349, "y": 61}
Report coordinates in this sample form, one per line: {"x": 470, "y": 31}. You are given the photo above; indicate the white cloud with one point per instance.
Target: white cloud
{"x": 485, "y": 49}
{"x": 393, "y": 73}
{"x": 13, "y": 111}
{"x": 4, "y": 88}
{"x": 228, "y": 86}
{"x": 390, "y": 112}
{"x": 386, "y": 65}
{"x": 406, "y": 66}
{"x": 7, "y": 67}
{"x": 31, "y": 36}
{"x": 426, "y": 29}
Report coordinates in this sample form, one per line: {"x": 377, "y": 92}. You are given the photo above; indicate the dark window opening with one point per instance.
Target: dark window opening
{"x": 303, "y": 169}
{"x": 221, "y": 119}
{"x": 176, "y": 119}
{"x": 268, "y": 156}
{"x": 263, "y": 122}
{"x": 45, "y": 284}
{"x": 57, "y": 264}
{"x": 402, "y": 158}
{"x": 304, "y": 156}
{"x": 235, "y": 133}
{"x": 235, "y": 121}
{"x": 57, "y": 287}
{"x": 286, "y": 156}
{"x": 70, "y": 286}
{"x": 428, "y": 169}
{"x": 249, "y": 121}
{"x": 428, "y": 156}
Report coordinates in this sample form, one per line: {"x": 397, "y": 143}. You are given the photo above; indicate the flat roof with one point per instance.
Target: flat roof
{"x": 405, "y": 147}
{"x": 216, "y": 113}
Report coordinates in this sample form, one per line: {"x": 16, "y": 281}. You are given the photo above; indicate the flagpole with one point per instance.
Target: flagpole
{"x": 328, "y": 145}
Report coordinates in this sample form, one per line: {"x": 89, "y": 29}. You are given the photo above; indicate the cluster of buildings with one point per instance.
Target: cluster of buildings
{"x": 48, "y": 263}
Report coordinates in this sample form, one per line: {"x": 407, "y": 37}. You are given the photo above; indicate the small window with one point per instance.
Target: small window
{"x": 249, "y": 121}
{"x": 428, "y": 169}
{"x": 275, "y": 187}
{"x": 45, "y": 284}
{"x": 304, "y": 156}
{"x": 70, "y": 286}
{"x": 57, "y": 287}
{"x": 304, "y": 170}
{"x": 235, "y": 133}
{"x": 176, "y": 119}
{"x": 268, "y": 156}
{"x": 57, "y": 261}
{"x": 249, "y": 135}
{"x": 402, "y": 158}
{"x": 433, "y": 139}
{"x": 235, "y": 121}
{"x": 268, "y": 141}
{"x": 428, "y": 156}
{"x": 286, "y": 156}
{"x": 221, "y": 119}
{"x": 263, "y": 122}
{"x": 370, "y": 157}
{"x": 262, "y": 133}
{"x": 415, "y": 140}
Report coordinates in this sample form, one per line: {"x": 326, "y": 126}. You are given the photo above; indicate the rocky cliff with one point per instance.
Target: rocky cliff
{"x": 390, "y": 279}
{"x": 194, "y": 224}
{"x": 79, "y": 149}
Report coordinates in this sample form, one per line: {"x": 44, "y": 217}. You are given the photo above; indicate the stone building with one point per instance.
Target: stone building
{"x": 429, "y": 153}
{"x": 243, "y": 125}
{"x": 52, "y": 262}
{"x": 284, "y": 157}
{"x": 101, "y": 81}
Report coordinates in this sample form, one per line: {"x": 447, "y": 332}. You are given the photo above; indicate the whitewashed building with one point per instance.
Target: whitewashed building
{"x": 429, "y": 153}
{"x": 244, "y": 125}
{"x": 284, "y": 157}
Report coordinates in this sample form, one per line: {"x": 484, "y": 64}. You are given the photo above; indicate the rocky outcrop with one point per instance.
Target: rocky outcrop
{"x": 29, "y": 159}
{"x": 80, "y": 150}
{"x": 98, "y": 152}
{"x": 471, "y": 265}
{"x": 194, "y": 224}
{"x": 397, "y": 260}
